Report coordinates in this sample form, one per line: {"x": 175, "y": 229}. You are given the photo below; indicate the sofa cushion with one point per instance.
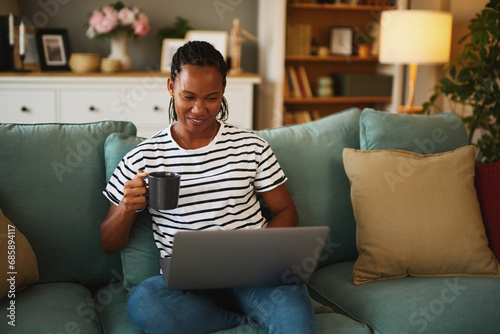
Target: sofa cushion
{"x": 328, "y": 323}
{"x": 311, "y": 157}
{"x": 487, "y": 184}
{"x": 417, "y": 215}
{"x": 111, "y": 305}
{"x": 51, "y": 187}
{"x": 52, "y": 308}
{"x": 412, "y": 304}
{"x": 140, "y": 255}
{"x": 422, "y": 134}
{"x": 18, "y": 257}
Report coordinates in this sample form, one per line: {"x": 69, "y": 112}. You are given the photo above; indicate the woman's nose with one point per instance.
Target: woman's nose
{"x": 199, "y": 106}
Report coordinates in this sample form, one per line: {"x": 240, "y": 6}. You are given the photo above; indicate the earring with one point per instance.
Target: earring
{"x": 172, "y": 115}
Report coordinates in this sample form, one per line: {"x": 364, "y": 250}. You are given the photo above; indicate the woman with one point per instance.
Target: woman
{"x": 222, "y": 168}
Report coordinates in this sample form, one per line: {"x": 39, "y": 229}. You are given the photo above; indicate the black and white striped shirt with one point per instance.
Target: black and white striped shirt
{"x": 218, "y": 181}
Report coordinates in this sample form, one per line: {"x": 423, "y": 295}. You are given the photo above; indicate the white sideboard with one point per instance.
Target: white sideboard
{"x": 139, "y": 97}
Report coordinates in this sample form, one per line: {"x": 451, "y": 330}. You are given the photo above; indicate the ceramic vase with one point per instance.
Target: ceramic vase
{"x": 119, "y": 50}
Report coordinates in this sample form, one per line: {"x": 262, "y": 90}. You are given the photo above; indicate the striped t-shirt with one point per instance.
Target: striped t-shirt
{"x": 218, "y": 181}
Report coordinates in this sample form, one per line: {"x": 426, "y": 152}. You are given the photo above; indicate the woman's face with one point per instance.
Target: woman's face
{"x": 197, "y": 93}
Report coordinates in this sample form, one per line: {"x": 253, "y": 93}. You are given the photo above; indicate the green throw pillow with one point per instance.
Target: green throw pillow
{"x": 140, "y": 255}
{"x": 423, "y": 134}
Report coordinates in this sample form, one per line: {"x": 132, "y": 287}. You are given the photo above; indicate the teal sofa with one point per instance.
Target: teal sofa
{"x": 51, "y": 182}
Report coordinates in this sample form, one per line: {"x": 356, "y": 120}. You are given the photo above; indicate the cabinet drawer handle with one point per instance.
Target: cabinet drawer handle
{"x": 24, "y": 109}
{"x": 92, "y": 108}
{"x": 156, "y": 108}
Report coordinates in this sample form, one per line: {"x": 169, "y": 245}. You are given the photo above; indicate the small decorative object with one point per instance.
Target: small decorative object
{"x": 364, "y": 50}
{"x": 118, "y": 22}
{"x": 109, "y": 65}
{"x": 9, "y": 64}
{"x": 323, "y": 51}
{"x": 235, "y": 41}
{"x": 169, "y": 47}
{"x": 84, "y": 62}
{"x": 53, "y": 49}
{"x": 325, "y": 87}
{"x": 341, "y": 41}
{"x": 363, "y": 42}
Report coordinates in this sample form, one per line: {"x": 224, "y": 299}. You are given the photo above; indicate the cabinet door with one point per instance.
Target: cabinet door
{"x": 27, "y": 106}
{"x": 91, "y": 105}
{"x": 240, "y": 103}
{"x": 148, "y": 109}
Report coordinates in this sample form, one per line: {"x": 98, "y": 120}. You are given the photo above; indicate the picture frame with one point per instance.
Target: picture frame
{"x": 169, "y": 47}
{"x": 341, "y": 40}
{"x": 53, "y": 49}
{"x": 219, "y": 39}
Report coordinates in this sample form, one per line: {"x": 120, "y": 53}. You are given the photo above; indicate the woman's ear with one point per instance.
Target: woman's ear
{"x": 170, "y": 86}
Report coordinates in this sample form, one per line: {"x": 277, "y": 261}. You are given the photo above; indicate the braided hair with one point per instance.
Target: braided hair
{"x": 198, "y": 53}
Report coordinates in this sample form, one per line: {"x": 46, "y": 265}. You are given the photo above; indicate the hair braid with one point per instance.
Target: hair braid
{"x": 198, "y": 53}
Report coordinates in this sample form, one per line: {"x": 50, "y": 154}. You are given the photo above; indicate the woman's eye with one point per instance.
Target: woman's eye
{"x": 187, "y": 97}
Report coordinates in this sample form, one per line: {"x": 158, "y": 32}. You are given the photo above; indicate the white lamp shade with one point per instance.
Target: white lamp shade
{"x": 415, "y": 36}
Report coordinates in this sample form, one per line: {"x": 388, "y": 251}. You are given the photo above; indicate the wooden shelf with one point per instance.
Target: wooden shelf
{"x": 339, "y": 100}
{"x": 331, "y": 59}
{"x": 341, "y": 7}
{"x": 112, "y": 75}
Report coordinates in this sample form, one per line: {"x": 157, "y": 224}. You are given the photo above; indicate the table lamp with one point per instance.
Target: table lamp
{"x": 414, "y": 37}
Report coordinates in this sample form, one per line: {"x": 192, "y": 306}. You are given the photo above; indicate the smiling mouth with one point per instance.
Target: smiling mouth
{"x": 196, "y": 121}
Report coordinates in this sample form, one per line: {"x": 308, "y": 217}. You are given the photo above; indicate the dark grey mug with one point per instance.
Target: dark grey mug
{"x": 163, "y": 190}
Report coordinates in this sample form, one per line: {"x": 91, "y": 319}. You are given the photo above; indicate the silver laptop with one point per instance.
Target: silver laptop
{"x": 243, "y": 258}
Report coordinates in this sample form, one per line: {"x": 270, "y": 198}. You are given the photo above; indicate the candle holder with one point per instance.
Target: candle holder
{"x": 22, "y": 65}
{"x": 10, "y": 58}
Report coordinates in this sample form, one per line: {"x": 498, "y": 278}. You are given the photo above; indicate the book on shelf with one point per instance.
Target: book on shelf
{"x": 307, "y": 86}
{"x": 298, "y": 39}
{"x": 293, "y": 82}
{"x": 297, "y": 84}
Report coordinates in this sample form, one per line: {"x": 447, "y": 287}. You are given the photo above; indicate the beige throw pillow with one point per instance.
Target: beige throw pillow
{"x": 18, "y": 264}
{"x": 417, "y": 215}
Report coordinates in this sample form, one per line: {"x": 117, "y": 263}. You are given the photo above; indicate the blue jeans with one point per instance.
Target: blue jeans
{"x": 283, "y": 309}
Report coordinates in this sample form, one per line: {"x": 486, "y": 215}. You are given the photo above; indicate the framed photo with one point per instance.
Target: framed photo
{"x": 53, "y": 49}
{"x": 169, "y": 47}
{"x": 341, "y": 39}
{"x": 217, "y": 38}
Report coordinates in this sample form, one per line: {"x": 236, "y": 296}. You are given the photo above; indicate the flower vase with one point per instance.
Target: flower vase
{"x": 119, "y": 50}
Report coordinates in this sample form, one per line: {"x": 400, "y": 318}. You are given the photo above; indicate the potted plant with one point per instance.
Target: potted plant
{"x": 178, "y": 30}
{"x": 363, "y": 43}
{"x": 473, "y": 81}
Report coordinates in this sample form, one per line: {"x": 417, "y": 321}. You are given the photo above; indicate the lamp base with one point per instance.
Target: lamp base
{"x": 410, "y": 109}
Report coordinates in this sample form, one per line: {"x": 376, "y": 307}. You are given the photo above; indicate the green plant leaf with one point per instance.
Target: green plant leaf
{"x": 453, "y": 72}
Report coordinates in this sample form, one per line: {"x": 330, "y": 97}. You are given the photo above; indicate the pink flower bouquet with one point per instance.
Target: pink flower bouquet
{"x": 108, "y": 20}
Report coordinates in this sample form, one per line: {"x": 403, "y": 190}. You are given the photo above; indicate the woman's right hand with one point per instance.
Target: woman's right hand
{"x": 135, "y": 193}
{"x": 116, "y": 227}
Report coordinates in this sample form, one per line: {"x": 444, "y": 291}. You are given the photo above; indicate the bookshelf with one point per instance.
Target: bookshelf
{"x": 307, "y": 22}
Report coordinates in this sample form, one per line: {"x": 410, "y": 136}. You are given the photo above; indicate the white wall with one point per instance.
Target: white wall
{"x": 145, "y": 52}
